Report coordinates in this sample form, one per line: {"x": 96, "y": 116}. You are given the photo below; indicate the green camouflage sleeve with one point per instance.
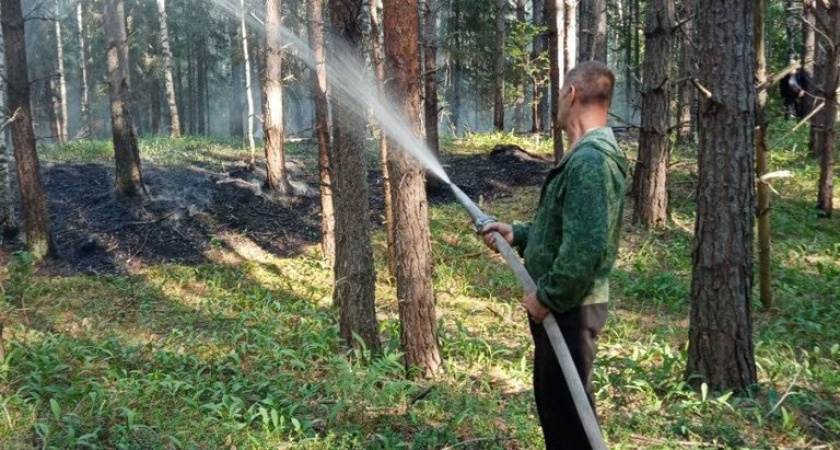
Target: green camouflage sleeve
{"x": 520, "y": 235}
{"x": 585, "y": 237}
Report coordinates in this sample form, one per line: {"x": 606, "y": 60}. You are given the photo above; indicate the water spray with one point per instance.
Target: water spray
{"x": 558, "y": 342}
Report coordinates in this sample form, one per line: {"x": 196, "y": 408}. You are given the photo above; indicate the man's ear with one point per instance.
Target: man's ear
{"x": 572, "y": 94}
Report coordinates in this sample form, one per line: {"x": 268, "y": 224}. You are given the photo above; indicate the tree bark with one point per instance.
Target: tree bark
{"x": 593, "y": 30}
{"x": 62, "y": 81}
{"x": 571, "y": 34}
{"x": 828, "y": 19}
{"x": 354, "y": 271}
{"x": 8, "y": 220}
{"x": 808, "y": 42}
{"x": 87, "y": 128}
{"x": 457, "y": 69}
{"x": 415, "y": 294}
{"x": 39, "y": 240}
{"x": 539, "y": 46}
{"x": 556, "y": 18}
{"x": 499, "y": 68}
{"x": 169, "y": 83}
{"x": 521, "y": 76}
{"x": 243, "y": 30}
{"x": 235, "y": 125}
{"x": 430, "y": 100}
{"x": 126, "y": 152}
{"x": 154, "y": 106}
{"x": 315, "y": 17}
{"x": 688, "y": 70}
{"x": 379, "y": 68}
{"x": 275, "y": 161}
{"x": 763, "y": 210}
{"x": 650, "y": 177}
{"x": 721, "y": 351}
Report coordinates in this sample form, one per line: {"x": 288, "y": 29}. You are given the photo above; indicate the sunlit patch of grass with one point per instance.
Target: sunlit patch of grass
{"x": 245, "y": 352}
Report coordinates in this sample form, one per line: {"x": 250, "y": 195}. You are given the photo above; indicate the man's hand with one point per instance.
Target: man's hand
{"x": 537, "y": 311}
{"x": 505, "y": 229}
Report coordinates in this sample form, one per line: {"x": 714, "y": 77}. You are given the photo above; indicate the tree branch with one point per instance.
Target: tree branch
{"x": 706, "y": 93}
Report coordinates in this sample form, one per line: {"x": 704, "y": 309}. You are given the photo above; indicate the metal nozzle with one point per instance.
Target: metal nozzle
{"x": 480, "y": 219}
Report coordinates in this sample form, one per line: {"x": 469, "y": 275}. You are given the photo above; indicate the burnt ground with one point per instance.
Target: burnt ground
{"x": 189, "y": 207}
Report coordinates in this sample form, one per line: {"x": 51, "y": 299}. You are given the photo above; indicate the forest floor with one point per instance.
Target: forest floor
{"x": 201, "y": 317}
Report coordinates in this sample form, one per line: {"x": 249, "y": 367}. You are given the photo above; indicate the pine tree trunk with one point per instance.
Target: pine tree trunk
{"x": 39, "y": 240}
{"x": 498, "y": 68}
{"x": 154, "y": 106}
{"x": 519, "y": 103}
{"x": 688, "y": 70}
{"x": 538, "y": 47}
{"x": 379, "y": 68}
{"x": 650, "y": 187}
{"x": 415, "y": 294}
{"x": 126, "y": 152}
{"x": 721, "y": 351}
{"x": 54, "y": 110}
{"x": 272, "y": 86}
{"x": 808, "y": 41}
{"x": 235, "y": 126}
{"x": 354, "y": 271}
{"x": 430, "y": 103}
{"x": 62, "y": 81}
{"x": 570, "y": 52}
{"x": 763, "y": 210}
{"x": 593, "y": 30}
{"x": 556, "y": 18}
{"x": 315, "y": 17}
{"x": 8, "y": 220}
{"x": 174, "y": 121}
{"x": 86, "y": 127}
{"x": 243, "y": 30}
{"x": 828, "y": 19}
{"x": 457, "y": 69}
{"x": 201, "y": 86}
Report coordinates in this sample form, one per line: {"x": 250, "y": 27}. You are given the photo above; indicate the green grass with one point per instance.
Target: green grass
{"x": 247, "y": 354}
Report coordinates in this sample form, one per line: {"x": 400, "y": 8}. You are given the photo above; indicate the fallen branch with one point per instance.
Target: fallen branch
{"x": 786, "y": 394}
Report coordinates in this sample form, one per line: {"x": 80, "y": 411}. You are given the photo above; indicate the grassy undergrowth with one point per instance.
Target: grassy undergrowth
{"x": 245, "y": 353}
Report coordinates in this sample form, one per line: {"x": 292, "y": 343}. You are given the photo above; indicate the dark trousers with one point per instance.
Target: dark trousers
{"x": 560, "y": 423}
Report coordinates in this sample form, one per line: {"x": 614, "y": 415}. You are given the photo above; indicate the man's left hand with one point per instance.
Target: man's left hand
{"x": 537, "y": 311}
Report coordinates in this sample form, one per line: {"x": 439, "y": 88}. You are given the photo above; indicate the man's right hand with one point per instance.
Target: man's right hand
{"x": 504, "y": 229}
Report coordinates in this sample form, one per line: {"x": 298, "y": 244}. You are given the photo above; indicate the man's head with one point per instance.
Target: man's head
{"x": 588, "y": 88}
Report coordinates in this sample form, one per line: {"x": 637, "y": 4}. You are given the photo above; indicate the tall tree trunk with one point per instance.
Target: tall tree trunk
{"x": 315, "y": 17}
{"x": 62, "y": 81}
{"x": 556, "y": 18}
{"x": 519, "y": 103}
{"x": 126, "y": 152}
{"x": 457, "y": 69}
{"x": 55, "y": 109}
{"x": 808, "y": 42}
{"x": 688, "y": 70}
{"x": 763, "y": 210}
{"x": 235, "y": 125}
{"x": 430, "y": 44}
{"x": 8, "y": 220}
{"x": 272, "y": 86}
{"x": 354, "y": 271}
{"x": 243, "y": 30}
{"x": 538, "y": 47}
{"x": 39, "y": 240}
{"x": 571, "y": 34}
{"x": 86, "y": 127}
{"x": 174, "y": 121}
{"x": 828, "y": 19}
{"x": 721, "y": 351}
{"x": 498, "y": 68}
{"x": 593, "y": 30}
{"x": 154, "y": 106}
{"x": 201, "y": 87}
{"x": 791, "y": 19}
{"x": 415, "y": 294}
{"x": 650, "y": 178}
{"x": 379, "y": 68}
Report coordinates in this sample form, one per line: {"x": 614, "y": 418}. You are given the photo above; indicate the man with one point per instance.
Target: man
{"x": 794, "y": 91}
{"x": 570, "y": 247}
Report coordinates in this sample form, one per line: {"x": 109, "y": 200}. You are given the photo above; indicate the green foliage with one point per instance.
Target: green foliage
{"x": 248, "y": 354}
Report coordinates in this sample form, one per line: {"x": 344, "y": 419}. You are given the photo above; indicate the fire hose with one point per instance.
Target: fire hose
{"x": 555, "y": 336}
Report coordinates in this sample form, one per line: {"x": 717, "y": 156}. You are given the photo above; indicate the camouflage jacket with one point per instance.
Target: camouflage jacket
{"x": 571, "y": 244}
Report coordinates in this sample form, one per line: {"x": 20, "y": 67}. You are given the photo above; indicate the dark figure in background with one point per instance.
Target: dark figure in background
{"x": 795, "y": 89}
